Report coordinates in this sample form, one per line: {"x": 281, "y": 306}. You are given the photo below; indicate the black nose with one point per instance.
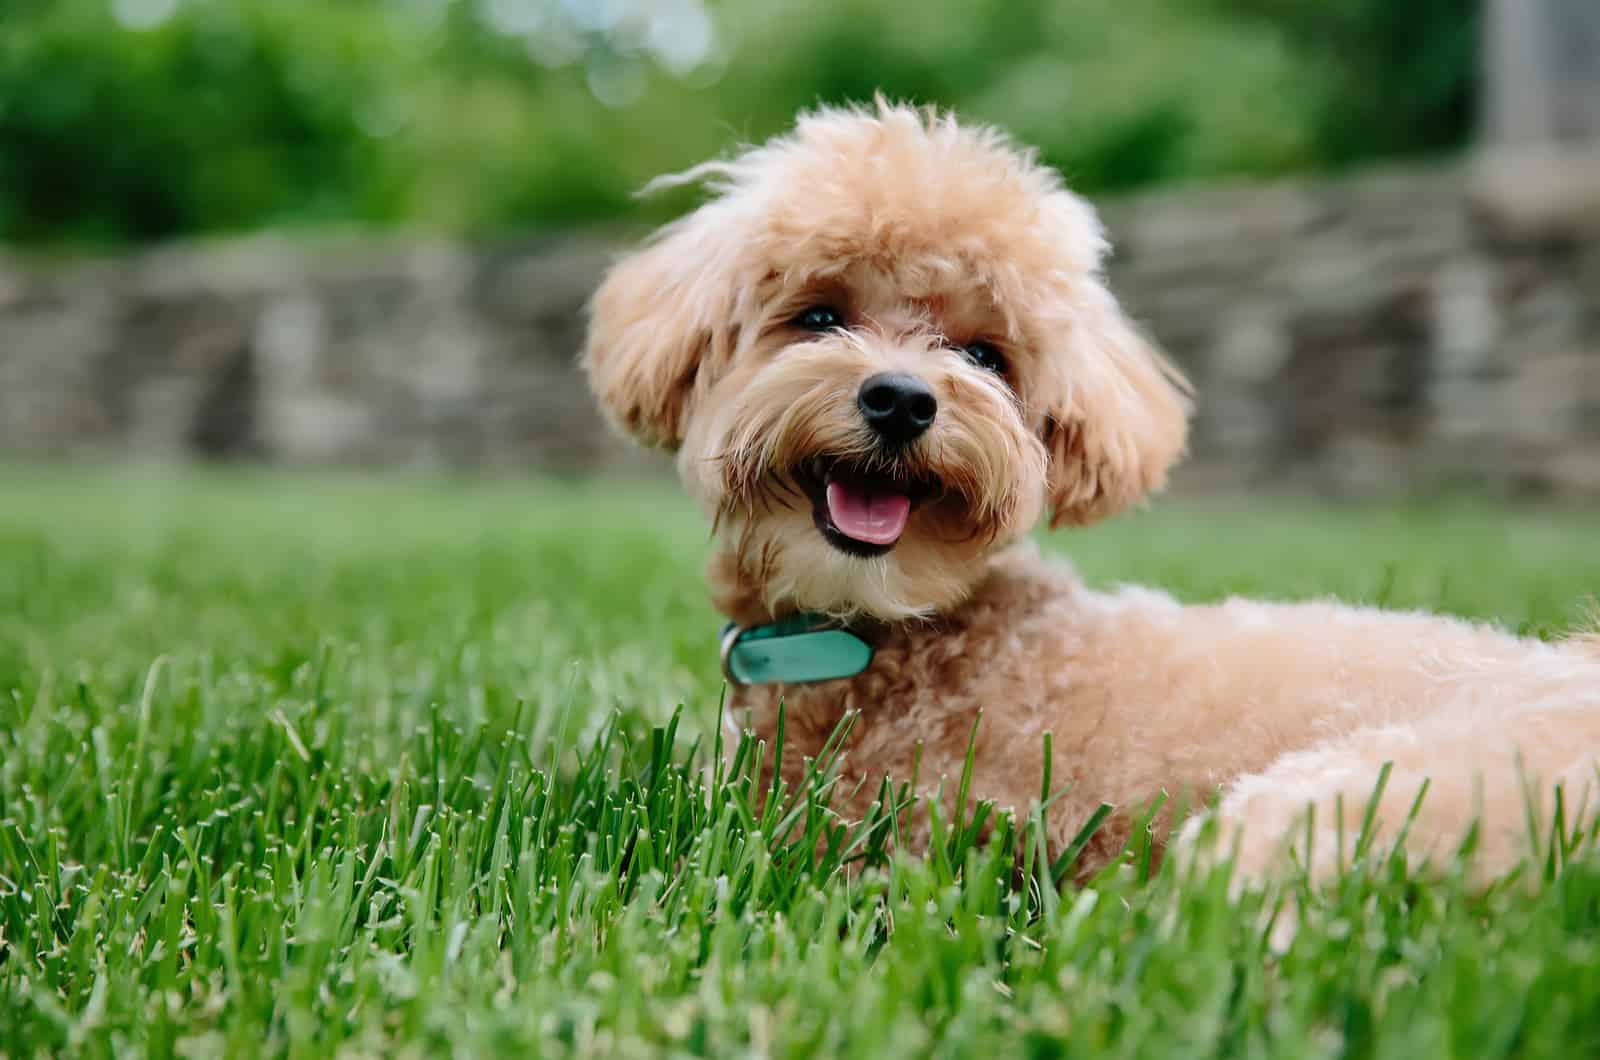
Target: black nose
{"x": 899, "y": 407}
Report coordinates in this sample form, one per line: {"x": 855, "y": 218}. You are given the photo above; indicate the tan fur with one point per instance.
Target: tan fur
{"x": 931, "y": 235}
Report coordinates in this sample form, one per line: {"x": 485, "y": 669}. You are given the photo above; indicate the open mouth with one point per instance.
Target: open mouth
{"x": 863, "y": 513}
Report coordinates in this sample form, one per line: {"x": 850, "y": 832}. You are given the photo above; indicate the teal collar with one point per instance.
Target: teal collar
{"x": 793, "y": 650}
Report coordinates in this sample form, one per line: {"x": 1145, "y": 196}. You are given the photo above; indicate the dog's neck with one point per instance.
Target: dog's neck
{"x": 736, "y": 590}
{"x": 737, "y": 593}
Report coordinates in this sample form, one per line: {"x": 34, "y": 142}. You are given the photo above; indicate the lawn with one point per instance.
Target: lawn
{"x": 307, "y": 765}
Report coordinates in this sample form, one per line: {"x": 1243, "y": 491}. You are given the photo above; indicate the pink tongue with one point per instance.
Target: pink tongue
{"x": 876, "y": 518}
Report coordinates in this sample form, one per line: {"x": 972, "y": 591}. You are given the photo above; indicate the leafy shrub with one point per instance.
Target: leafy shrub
{"x": 144, "y": 119}
{"x": 1394, "y": 78}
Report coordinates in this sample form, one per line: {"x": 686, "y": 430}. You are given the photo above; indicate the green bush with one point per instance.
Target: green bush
{"x": 1393, "y": 78}
{"x": 218, "y": 115}
{"x": 228, "y": 117}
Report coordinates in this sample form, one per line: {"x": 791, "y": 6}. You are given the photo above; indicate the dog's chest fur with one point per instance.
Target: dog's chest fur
{"x": 1005, "y": 660}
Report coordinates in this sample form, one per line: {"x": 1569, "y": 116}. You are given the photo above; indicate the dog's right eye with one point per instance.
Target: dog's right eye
{"x": 819, "y": 318}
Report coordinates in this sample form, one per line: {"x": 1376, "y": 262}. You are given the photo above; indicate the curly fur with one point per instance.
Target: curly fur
{"x": 932, "y": 235}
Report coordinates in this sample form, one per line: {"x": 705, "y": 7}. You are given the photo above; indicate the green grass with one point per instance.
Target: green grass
{"x": 310, "y": 765}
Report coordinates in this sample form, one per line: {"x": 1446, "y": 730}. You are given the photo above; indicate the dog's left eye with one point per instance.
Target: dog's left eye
{"x": 819, "y": 318}
{"x": 984, "y": 355}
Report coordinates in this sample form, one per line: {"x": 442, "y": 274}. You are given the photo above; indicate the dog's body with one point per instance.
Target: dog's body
{"x": 1279, "y": 705}
{"x": 882, "y": 351}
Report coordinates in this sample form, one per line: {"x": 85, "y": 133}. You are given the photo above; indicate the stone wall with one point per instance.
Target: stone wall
{"x": 1405, "y": 328}
{"x": 344, "y": 350}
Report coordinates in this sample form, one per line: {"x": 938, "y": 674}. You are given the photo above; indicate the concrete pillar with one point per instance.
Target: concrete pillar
{"x": 1538, "y": 165}
{"x": 1541, "y": 72}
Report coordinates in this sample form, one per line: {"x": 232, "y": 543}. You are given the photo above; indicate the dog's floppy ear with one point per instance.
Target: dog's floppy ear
{"x": 1119, "y": 418}
{"x": 659, "y": 316}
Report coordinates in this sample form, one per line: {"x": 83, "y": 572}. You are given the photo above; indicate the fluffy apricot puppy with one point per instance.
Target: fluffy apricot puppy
{"x": 883, "y": 350}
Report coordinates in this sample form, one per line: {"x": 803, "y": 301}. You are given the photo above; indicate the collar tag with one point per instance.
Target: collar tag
{"x": 794, "y": 650}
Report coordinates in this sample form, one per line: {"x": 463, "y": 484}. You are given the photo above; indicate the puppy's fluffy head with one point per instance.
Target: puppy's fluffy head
{"x": 882, "y": 349}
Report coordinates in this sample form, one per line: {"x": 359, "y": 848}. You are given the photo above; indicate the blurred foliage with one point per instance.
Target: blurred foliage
{"x": 142, "y": 119}
{"x": 1393, "y": 77}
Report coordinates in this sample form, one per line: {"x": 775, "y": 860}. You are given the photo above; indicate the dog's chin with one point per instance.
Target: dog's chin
{"x": 811, "y": 572}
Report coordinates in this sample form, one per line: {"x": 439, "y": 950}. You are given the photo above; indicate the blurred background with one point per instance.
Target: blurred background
{"x": 362, "y": 231}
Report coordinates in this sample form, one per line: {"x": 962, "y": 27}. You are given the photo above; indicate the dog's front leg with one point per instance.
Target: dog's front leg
{"x": 1320, "y": 810}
